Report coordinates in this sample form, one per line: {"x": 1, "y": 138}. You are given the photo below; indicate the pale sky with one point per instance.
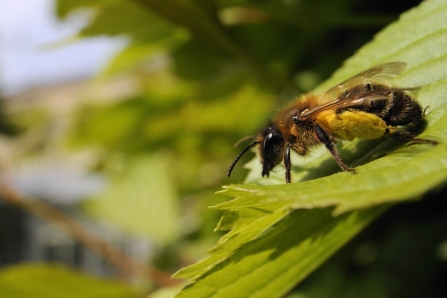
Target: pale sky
{"x": 26, "y": 27}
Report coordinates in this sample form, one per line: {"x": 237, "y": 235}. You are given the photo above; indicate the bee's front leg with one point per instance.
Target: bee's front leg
{"x": 329, "y": 142}
{"x": 288, "y": 164}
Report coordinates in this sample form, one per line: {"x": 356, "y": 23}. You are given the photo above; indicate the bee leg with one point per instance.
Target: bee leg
{"x": 287, "y": 164}
{"x": 324, "y": 137}
{"x": 405, "y": 135}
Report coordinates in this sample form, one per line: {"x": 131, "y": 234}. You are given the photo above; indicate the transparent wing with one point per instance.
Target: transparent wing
{"x": 354, "y": 100}
{"x": 382, "y": 72}
{"x": 352, "y": 91}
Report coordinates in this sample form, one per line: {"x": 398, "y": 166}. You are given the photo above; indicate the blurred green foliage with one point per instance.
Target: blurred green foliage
{"x": 42, "y": 280}
{"x": 209, "y": 72}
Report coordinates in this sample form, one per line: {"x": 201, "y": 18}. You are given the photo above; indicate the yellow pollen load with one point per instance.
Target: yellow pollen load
{"x": 356, "y": 124}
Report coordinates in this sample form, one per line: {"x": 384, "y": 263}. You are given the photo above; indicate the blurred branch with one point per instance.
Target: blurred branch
{"x": 116, "y": 257}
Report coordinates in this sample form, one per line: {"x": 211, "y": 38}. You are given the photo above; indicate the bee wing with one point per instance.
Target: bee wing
{"x": 353, "y": 100}
{"x": 381, "y": 72}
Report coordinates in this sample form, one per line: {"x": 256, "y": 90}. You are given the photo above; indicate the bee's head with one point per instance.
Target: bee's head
{"x": 271, "y": 148}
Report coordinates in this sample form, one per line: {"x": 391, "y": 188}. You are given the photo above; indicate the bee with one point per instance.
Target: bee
{"x": 365, "y": 106}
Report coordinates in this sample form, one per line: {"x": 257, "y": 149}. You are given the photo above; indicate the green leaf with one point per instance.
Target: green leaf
{"x": 48, "y": 281}
{"x": 281, "y": 233}
{"x": 271, "y": 263}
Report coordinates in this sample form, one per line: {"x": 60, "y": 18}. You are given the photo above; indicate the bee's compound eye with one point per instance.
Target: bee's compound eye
{"x": 271, "y": 149}
{"x": 271, "y": 142}
{"x": 268, "y": 145}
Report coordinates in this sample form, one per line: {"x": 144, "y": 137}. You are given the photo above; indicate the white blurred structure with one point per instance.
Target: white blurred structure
{"x": 27, "y": 31}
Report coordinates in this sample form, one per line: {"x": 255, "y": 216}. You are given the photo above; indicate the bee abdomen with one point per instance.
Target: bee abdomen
{"x": 401, "y": 109}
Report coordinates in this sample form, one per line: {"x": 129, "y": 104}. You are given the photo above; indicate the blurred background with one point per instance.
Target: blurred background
{"x": 118, "y": 118}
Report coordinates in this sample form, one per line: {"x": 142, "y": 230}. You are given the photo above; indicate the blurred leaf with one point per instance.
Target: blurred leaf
{"x": 259, "y": 257}
{"x": 139, "y": 57}
{"x": 186, "y": 57}
{"x": 29, "y": 119}
{"x": 109, "y": 126}
{"x": 165, "y": 292}
{"x": 152, "y": 21}
{"x": 48, "y": 281}
{"x": 201, "y": 20}
{"x": 141, "y": 200}
{"x": 145, "y": 54}
{"x": 266, "y": 43}
{"x": 120, "y": 18}
{"x": 139, "y": 122}
{"x": 64, "y": 7}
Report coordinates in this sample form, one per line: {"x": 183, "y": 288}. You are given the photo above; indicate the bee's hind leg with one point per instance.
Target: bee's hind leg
{"x": 328, "y": 141}
{"x": 405, "y": 135}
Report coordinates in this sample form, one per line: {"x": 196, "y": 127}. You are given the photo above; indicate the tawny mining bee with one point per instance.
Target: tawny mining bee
{"x": 365, "y": 106}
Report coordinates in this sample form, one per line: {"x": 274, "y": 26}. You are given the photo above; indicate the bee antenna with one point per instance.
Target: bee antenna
{"x": 239, "y": 156}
